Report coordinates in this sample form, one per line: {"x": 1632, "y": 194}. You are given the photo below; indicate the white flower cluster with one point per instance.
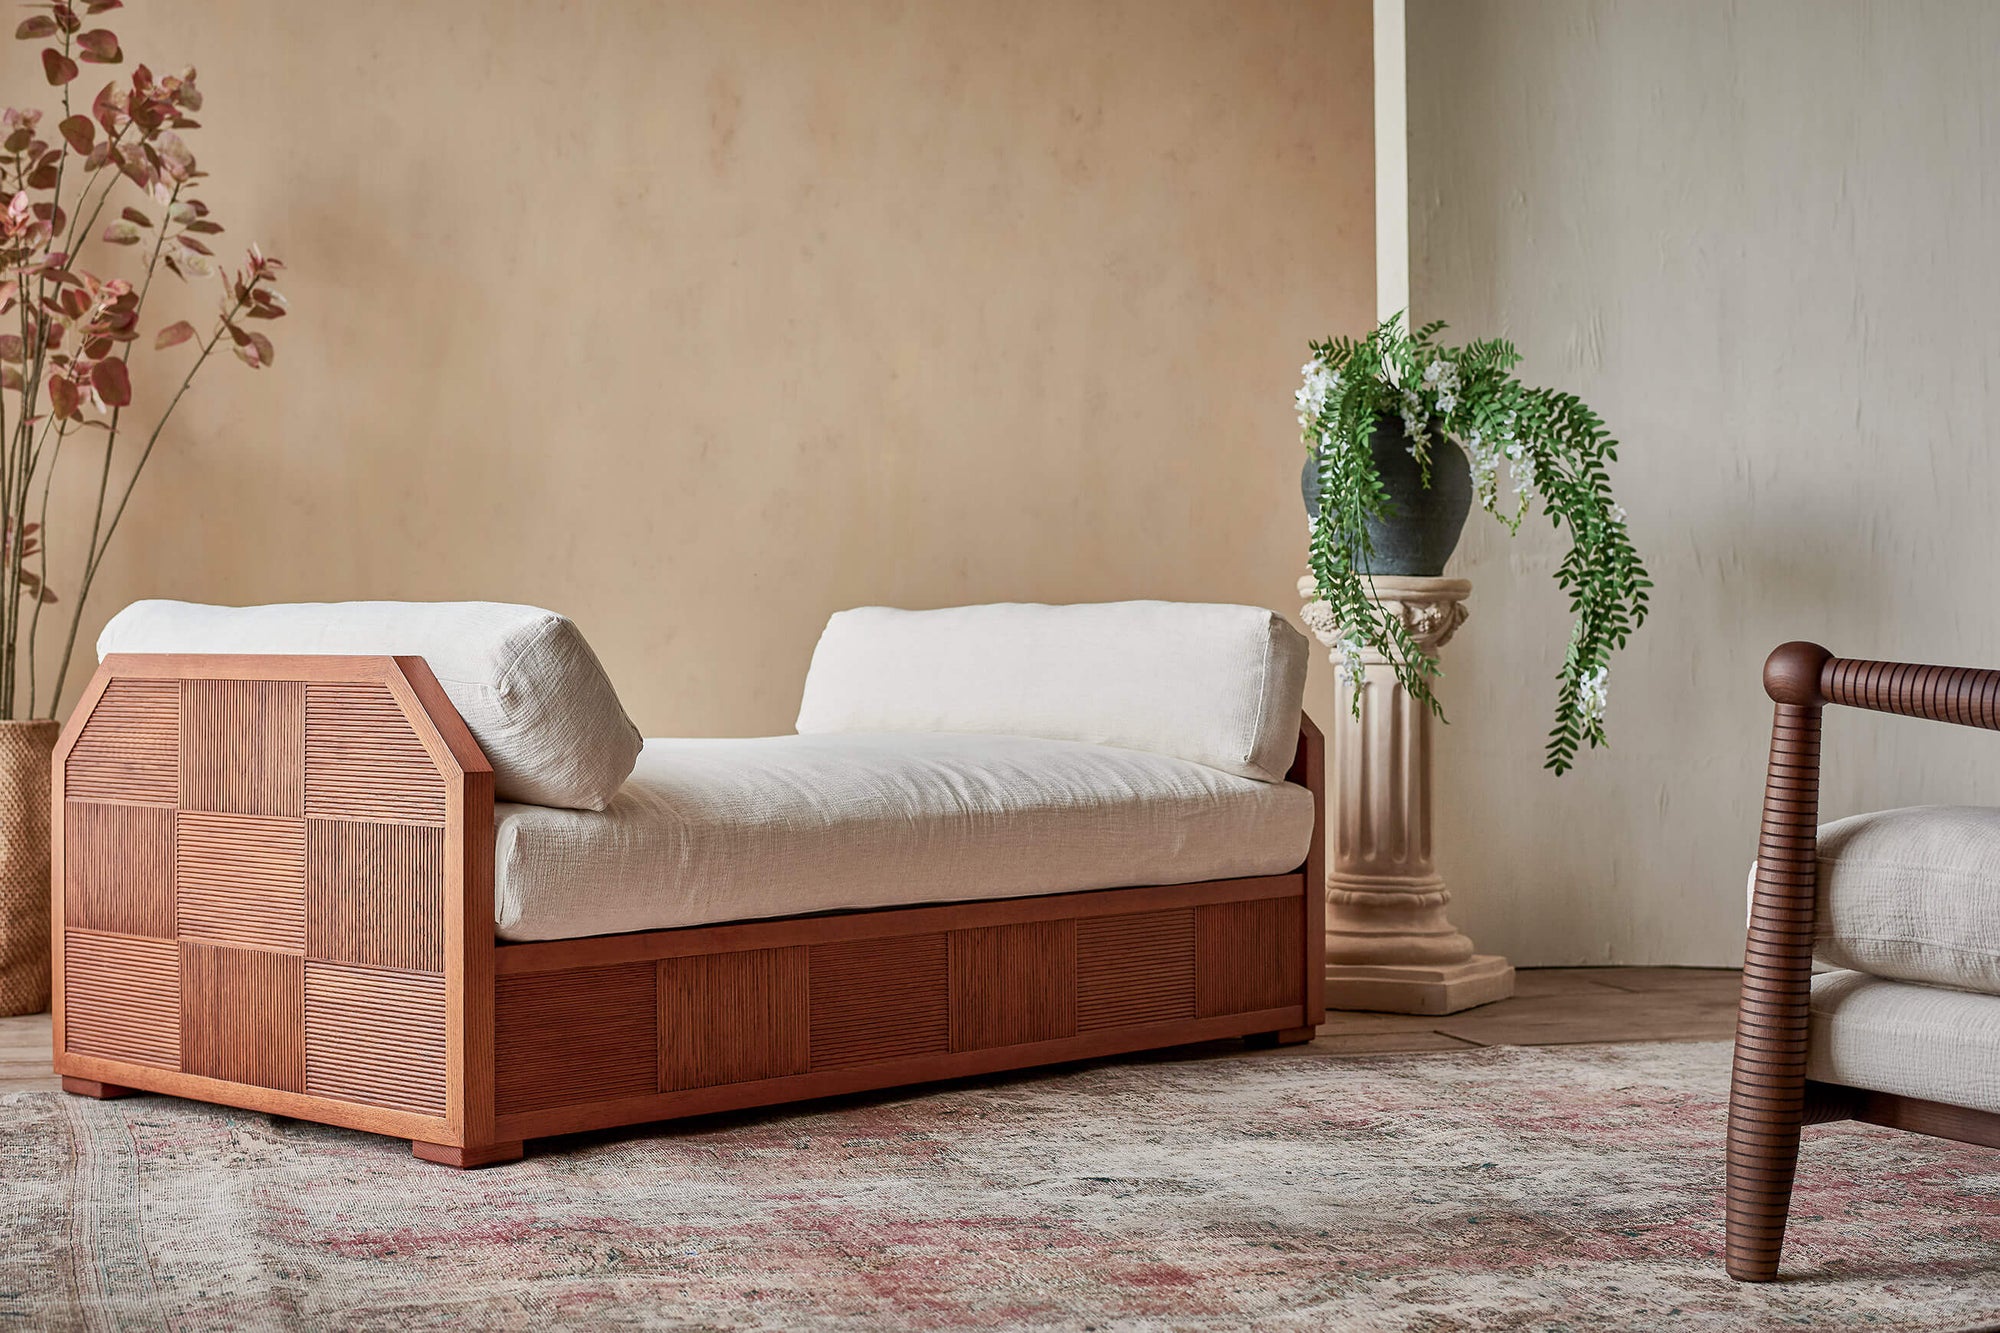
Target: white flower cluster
{"x": 1320, "y": 384}
{"x": 1592, "y": 698}
{"x": 1441, "y": 378}
{"x": 1351, "y": 669}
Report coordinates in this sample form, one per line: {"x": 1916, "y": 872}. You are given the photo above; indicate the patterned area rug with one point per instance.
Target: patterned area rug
{"x": 1555, "y": 1188}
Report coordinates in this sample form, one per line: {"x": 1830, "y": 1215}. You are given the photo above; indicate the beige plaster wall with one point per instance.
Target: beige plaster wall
{"x": 1759, "y": 239}
{"x": 700, "y": 321}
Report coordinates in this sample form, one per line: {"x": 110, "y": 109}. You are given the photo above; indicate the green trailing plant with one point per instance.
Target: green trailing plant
{"x": 1554, "y": 449}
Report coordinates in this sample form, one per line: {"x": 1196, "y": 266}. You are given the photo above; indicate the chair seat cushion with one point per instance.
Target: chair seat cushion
{"x": 1916, "y": 1041}
{"x": 1913, "y": 895}
{"x": 529, "y": 688}
{"x": 1220, "y": 685}
{"x": 726, "y": 830}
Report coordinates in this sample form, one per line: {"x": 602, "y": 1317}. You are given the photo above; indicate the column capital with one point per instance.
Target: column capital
{"x": 1431, "y": 609}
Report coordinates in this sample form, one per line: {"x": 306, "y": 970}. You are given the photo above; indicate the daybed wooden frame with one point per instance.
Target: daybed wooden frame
{"x": 1770, "y": 1097}
{"x": 273, "y": 889}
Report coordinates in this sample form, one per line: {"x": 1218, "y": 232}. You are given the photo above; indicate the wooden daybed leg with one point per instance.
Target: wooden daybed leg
{"x": 1285, "y": 1037}
{"x": 90, "y": 1087}
{"x": 1767, "y": 1093}
{"x": 465, "y": 1159}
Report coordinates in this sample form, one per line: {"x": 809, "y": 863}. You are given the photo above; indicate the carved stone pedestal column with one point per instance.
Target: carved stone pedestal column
{"x": 1389, "y": 946}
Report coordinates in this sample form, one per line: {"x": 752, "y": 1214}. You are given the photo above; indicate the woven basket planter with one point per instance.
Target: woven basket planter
{"x": 25, "y": 750}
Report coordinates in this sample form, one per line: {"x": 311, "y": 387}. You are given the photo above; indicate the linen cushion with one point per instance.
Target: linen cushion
{"x": 1213, "y": 684}
{"x": 726, "y": 830}
{"x": 1913, "y": 894}
{"x": 528, "y": 686}
{"x": 1917, "y": 1041}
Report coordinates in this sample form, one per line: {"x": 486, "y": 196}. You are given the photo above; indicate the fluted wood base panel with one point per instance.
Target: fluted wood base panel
{"x": 775, "y": 1011}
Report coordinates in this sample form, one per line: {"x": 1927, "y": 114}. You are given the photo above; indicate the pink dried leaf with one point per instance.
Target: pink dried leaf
{"x": 102, "y": 6}
{"x": 135, "y": 217}
{"x": 204, "y": 227}
{"x": 59, "y": 68}
{"x": 256, "y": 353}
{"x": 100, "y": 46}
{"x": 191, "y": 243}
{"x": 112, "y": 383}
{"x": 12, "y": 348}
{"x": 173, "y": 335}
{"x": 79, "y": 132}
{"x": 62, "y": 397}
{"x": 41, "y": 25}
{"x": 10, "y": 378}
{"x": 121, "y": 233}
{"x": 109, "y": 108}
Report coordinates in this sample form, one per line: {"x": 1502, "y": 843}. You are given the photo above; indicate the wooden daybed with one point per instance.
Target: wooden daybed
{"x": 274, "y": 889}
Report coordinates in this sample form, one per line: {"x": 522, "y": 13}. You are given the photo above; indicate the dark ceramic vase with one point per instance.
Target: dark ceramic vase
{"x": 1421, "y": 528}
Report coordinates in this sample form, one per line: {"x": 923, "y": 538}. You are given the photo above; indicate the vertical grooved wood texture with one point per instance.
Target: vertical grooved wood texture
{"x": 243, "y": 1015}
{"x": 243, "y": 746}
{"x": 581, "y": 1036}
{"x": 123, "y": 998}
{"x": 118, "y": 868}
{"x": 1135, "y": 969}
{"x": 375, "y": 1035}
{"x": 375, "y": 894}
{"x": 240, "y": 880}
{"x": 129, "y": 749}
{"x": 878, "y": 1000}
{"x": 733, "y": 1017}
{"x": 1767, "y": 1084}
{"x": 1247, "y": 956}
{"x": 364, "y": 761}
{"x": 1013, "y": 984}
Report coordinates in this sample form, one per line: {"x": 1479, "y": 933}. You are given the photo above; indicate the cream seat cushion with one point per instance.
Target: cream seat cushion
{"x": 528, "y": 686}
{"x": 1913, "y": 895}
{"x": 1916, "y": 1041}
{"x": 1216, "y": 684}
{"x": 725, "y": 830}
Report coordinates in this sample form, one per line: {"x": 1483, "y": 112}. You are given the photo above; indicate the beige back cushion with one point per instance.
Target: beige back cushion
{"x": 1216, "y": 684}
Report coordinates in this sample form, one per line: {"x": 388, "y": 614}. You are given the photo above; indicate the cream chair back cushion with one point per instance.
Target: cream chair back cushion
{"x": 1913, "y": 894}
{"x": 1215, "y": 684}
{"x": 529, "y": 688}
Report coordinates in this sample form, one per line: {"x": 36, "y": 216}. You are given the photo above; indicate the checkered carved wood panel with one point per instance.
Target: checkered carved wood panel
{"x": 253, "y": 888}
{"x": 567, "y": 1038}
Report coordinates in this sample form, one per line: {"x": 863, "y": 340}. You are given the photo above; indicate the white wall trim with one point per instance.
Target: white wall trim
{"x": 1392, "y": 163}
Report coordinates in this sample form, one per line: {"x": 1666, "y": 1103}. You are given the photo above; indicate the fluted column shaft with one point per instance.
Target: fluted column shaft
{"x": 1389, "y": 942}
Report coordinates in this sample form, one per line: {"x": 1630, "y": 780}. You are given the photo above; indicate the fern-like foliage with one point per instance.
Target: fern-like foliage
{"x": 1555, "y": 451}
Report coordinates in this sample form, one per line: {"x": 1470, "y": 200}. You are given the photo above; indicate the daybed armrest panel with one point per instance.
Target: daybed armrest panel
{"x": 264, "y": 873}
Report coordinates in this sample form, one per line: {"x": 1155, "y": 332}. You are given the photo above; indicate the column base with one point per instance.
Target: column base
{"x": 1418, "y": 988}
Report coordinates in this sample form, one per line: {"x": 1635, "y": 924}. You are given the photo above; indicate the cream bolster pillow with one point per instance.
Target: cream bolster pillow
{"x": 528, "y": 686}
{"x": 1215, "y": 684}
{"x": 1914, "y": 895}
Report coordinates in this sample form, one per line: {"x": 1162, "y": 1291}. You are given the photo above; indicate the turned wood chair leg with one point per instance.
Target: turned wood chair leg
{"x": 465, "y": 1159}
{"x": 1767, "y": 1087}
{"x": 90, "y": 1087}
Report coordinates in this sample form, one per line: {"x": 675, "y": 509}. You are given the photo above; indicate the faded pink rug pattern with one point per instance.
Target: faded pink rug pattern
{"x": 1554, "y": 1188}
